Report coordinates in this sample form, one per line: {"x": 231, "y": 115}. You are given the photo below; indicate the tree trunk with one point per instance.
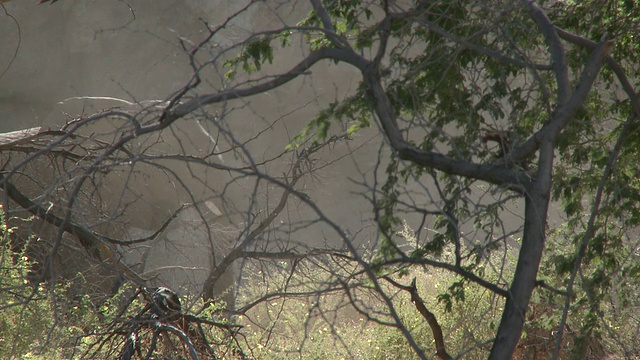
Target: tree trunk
{"x": 533, "y": 239}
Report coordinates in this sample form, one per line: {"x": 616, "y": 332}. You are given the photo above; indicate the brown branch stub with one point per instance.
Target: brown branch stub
{"x": 441, "y": 351}
{"x": 416, "y": 300}
{"x": 503, "y": 140}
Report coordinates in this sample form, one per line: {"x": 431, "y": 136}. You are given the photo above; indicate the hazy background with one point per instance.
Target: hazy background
{"x": 52, "y": 55}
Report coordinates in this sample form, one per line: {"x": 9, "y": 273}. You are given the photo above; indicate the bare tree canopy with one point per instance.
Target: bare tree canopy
{"x": 314, "y": 179}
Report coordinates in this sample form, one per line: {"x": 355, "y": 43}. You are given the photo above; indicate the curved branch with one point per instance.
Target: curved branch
{"x": 330, "y": 30}
{"x": 611, "y": 62}
{"x": 591, "y": 227}
{"x": 566, "y": 111}
{"x": 300, "y": 69}
{"x": 478, "y": 48}
{"x": 558, "y": 57}
{"x": 453, "y": 268}
{"x": 91, "y": 242}
{"x": 287, "y": 255}
{"x": 160, "y": 326}
{"x": 436, "y": 329}
{"x": 499, "y": 175}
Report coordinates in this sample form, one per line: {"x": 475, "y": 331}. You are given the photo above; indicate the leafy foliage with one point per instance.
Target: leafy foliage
{"x": 492, "y": 112}
{"x": 448, "y": 95}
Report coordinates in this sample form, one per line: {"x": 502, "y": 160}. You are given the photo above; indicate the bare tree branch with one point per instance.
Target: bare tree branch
{"x": 613, "y": 64}
{"x": 591, "y": 227}
{"x": 558, "y": 57}
{"x": 565, "y": 112}
{"x": 91, "y": 242}
{"x": 436, "y": 329}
